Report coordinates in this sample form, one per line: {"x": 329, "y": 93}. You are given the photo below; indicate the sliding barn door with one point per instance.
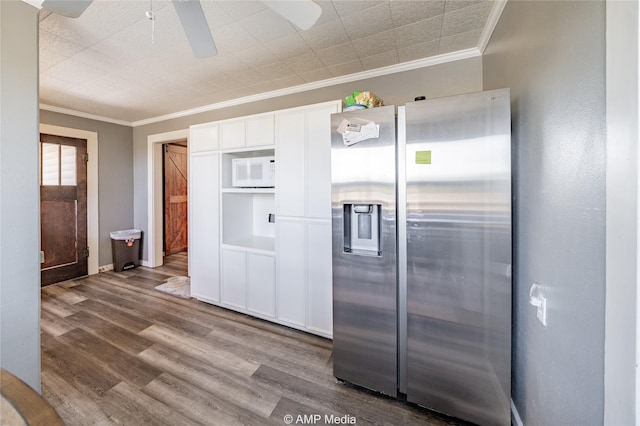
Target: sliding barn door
{"x": 175, "y": 199}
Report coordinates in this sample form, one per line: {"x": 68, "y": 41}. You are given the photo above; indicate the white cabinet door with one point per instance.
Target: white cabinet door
{"x": 204, "y": 231}
{"x": 260, "y": 130}
{"x": 291, "y": 271}
{"x": 319, "y": 278}
{"x": 319, "y": 162}
{"x": 234, "y": 278}
{"x": 203, "y": 138}
{"x": 261, "y": 284}
{"x": 232, "y": 134}
{"x": 290, "y": 163}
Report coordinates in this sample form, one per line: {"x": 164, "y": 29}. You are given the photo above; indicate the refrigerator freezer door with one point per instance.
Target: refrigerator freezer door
{"x": 364, "y": 248}
{"x": 458, "y": 171}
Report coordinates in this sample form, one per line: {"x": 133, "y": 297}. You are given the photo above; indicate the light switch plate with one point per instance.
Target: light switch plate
{"x": 542, "y": 312}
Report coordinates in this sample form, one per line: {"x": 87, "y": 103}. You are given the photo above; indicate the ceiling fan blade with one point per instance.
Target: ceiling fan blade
{"x": 68, "y": 8}
{"x": 196, "y": 27}
{"x": 301, "y": 13}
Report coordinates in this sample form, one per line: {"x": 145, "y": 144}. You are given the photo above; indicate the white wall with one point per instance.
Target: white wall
{"x": 19, "y": 193}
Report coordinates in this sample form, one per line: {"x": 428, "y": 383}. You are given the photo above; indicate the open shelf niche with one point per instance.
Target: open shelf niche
{"x": 246, "y": 211}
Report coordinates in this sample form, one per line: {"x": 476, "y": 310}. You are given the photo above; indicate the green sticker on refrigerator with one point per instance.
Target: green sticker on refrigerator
{"x": 423, "y": 157}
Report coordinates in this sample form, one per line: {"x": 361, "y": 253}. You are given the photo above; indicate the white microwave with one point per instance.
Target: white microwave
{"x": 253, "y": 172}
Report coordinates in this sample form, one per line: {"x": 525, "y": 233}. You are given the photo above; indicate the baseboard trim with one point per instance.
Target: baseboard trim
{"x": 105, "y": 268}
{"x": 515, "y": 416}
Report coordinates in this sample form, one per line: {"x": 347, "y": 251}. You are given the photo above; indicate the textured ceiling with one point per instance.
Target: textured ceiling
{"x": 105, "y": 62}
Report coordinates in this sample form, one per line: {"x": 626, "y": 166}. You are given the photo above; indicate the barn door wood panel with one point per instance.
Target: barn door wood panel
{"x": 63, "y": 208}
{"x": 175, "y": 199}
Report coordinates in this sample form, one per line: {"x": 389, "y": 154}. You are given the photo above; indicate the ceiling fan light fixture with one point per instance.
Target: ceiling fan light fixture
{"x": 195, "y": 27}
{"x": 68, "y": 8}
{"x": 301, "y": 13}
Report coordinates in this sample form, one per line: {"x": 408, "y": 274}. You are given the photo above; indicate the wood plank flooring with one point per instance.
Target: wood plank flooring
{"x": 115, "y": 351}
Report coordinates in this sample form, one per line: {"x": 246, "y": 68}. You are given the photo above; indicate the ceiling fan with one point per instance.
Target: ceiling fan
{"x": 301, "y": 13}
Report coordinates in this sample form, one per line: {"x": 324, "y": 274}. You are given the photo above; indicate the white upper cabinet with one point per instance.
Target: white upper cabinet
{"x": 203, "y": 137}
{"x": 232, "y": 134}
{"x": 303, "y": 161}
{"x": 259, "y": 130}
{"x": 251, "y": 131}
{"x": 290, "y": 163}
{"x": 318, "y": 184}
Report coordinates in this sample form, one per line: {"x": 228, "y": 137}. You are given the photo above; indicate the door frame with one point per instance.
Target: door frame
{"x": 93, "y": 233}
{"x": 154, "y": 193}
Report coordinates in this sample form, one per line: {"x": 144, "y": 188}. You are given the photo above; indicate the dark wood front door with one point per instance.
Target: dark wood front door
{"x": 175, "y": 198}
{"x": 63, "y": 208}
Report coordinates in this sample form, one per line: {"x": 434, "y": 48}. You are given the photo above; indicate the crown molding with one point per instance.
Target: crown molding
{"x": 392, "y": 69}
{"x": 81, "y": 114}
{"x": 490, "y": 26}
{"x": 405, "y": 66}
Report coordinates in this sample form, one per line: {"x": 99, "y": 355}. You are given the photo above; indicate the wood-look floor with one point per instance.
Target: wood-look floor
{"x": 117, "y": 352}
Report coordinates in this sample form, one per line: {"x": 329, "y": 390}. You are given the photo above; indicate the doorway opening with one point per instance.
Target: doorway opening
{"x": 154, "y": 241}
{"x": 175, "y": 205}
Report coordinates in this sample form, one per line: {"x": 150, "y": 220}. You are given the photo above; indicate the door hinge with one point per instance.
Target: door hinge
{"x": 86, "y": 158}
{"x": 85, "y": 252}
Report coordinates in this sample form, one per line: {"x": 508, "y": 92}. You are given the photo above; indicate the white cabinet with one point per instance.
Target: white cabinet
{"x": 319, "y": 278}
{"x": 232, "y": 134}
{"x": 203, "y": 137}
{"x": 234, "y": 277}
{"x": 290, "y": 163}
{"x": 255, "y": 130}
{"x": 291, "y": 271}
{"x": 318, "y": 160}
{"x": 304, "y": 274}
{"x": 303, "y": 161}
{"x": 248, "y": 281}
{"x": 261, "y": 284}
{"x": 238, "y": 257}
{"x": 259, "y": 130}
{"x": 303, "y": 203}
{"x": 204, "y": 226}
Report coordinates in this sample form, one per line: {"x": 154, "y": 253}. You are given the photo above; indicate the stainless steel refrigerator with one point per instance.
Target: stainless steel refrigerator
{"x": 421, "y": 222}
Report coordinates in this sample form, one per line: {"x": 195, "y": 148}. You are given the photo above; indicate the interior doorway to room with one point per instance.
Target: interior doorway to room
{"x": 175, "y": 197}
{"x": 63, "y": 208}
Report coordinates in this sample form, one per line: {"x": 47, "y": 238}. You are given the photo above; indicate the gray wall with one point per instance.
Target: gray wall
{"x": 452, "y": 78}
{"x": 115, "y": 174}
{"x": 623, "y": 193}
{"x": 19, "y": 193}
{"x": 552, "y": 56}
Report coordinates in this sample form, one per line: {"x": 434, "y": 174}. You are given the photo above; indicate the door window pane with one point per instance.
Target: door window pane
{"x": 67, "y": 165}
{"x": 50, "y": 164}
